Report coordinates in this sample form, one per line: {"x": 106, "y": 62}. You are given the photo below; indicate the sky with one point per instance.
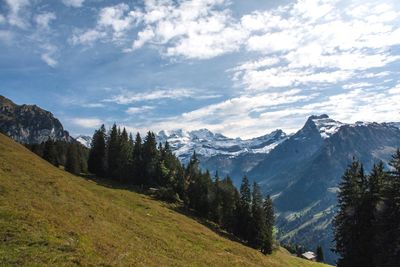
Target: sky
{"x": 240, "y": 68}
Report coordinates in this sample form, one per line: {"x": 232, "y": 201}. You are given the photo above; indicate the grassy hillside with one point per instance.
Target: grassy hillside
{"x": 49, "y": 217}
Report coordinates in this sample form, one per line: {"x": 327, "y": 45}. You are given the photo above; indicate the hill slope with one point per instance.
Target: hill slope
{"x": 49, "y": 217}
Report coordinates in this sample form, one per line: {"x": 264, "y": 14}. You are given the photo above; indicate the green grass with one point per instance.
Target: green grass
{"x": 49, "y": 217}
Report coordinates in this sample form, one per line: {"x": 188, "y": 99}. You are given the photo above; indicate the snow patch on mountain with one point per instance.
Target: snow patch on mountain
{"x": 326, "y": 126}
{"x": 208, "y": 144}
{"x": 84, "y": 140}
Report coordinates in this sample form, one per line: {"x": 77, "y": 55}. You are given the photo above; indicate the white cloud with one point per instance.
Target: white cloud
{"x": 86, "y": 122}
{"x": 395, "y": 90}
{"x": 48, "y": 54}
{"x": 113, "y": 22}
{"x": 115, "y": 18}
{"x": 139, "y": 110}
{"x": 93, "y": 105}
{"x": 47, "y": 58}
{"x": 317, "y": 41}
{"x": 73, "y": 3}
{"x": 143, "y": 37}
{"x": 192, "y": 29}
{"x": 357, "y": 85}
{"x": 15, "y": 16}
{"x": 43, "y": 20}
{"x": 2, "y": 19}
{"x": 177, "y": 94}
{"x": 87, "y": 37}
{"x": 287, "y": 77}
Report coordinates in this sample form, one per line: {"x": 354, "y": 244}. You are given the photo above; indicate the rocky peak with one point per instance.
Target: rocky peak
{"x": 322, "y": 124}
{"x": 29, "y": 123}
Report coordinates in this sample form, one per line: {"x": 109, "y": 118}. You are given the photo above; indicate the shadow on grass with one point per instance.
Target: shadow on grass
{"x": 209, "y": 224}
{"x": 114, "y": 184}
{"x": 177, "y": 207}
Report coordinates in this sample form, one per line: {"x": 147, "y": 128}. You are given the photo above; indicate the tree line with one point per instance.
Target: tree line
{"x": 73, "y": 156}
{"x": 367, "y": 225}
{"x": 116, "y": 155}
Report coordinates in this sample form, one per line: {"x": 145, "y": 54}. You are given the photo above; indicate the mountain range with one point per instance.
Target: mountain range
{"x": 301, "y": 171}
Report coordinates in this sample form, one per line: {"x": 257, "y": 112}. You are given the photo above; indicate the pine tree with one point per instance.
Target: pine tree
{"x": 97, "y": 161}
{"x": 371, "y": 215}
{"x": 229, "y": 197}
{"x": 124, "y": 157}
{"x": 50, "y": 153}
{"x": 389, "y": 242}
{"x": 137, "y": 162}
{"x": 268, "y": 237}
{"x": 258, "y": 218}
{"x": 320, "y": 254}
{"x": 243, "y": 227}
{"x": 150, "y": 159}
{"x": 73, "y": 165}
{"x": 347, "y": 222}
{"x": 216, "y": 204}
{"x": 113, "y": 150}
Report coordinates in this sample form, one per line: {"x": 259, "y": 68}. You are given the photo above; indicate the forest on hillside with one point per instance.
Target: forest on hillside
{"x": 144, "y": 164}
{"x": 367, "y": 225}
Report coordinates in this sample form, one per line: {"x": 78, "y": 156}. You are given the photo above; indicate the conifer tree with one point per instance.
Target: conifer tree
{"x": 137, "y": 161}
{"x": 216, "y": 204}
{"x": 73, "y": 165}
{"x": 50, "y": 153}
{"x": 113, "y": 150}
{"x": 150, "y": 159}
{"x": 228, "y": 197}
{"x": 244, "y": 213}
{"x": 371, "y": 215}
{"x": 389, "y": 243}
{"x": 124, "y": 157}
{"x": 268, "y": 238}
{"x": 97, "y": 161}
{"x": 257, "y": 228}
{"x": 347, "y": 222}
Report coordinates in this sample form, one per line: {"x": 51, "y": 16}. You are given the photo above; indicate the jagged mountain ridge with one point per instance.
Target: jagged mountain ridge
{"x": 29, "y": 123}
{"x": 209, "y": 144}
{"x": 216, "y": 152}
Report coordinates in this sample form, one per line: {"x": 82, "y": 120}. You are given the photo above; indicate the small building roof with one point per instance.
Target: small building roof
{"x": 309, "y": 255}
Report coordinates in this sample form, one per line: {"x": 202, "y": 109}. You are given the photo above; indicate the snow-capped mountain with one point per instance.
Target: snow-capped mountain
{"x": 84, "y": 140}
{"x": 208, "y": 144}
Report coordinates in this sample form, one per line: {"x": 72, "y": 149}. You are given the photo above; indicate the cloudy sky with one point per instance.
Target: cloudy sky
{"x": 242, "y": 68}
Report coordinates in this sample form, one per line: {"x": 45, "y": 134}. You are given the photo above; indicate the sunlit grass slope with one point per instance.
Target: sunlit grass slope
{"x": 49, "y": 217}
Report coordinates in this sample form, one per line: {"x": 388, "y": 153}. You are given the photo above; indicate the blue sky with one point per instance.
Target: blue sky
{"x": 242, "y": 68}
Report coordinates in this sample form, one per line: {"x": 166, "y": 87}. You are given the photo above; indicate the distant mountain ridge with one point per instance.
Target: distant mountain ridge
{"x": 301, "y": 171}
{"x": 29, "y": 123}
{"x": 209, "y": 144}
